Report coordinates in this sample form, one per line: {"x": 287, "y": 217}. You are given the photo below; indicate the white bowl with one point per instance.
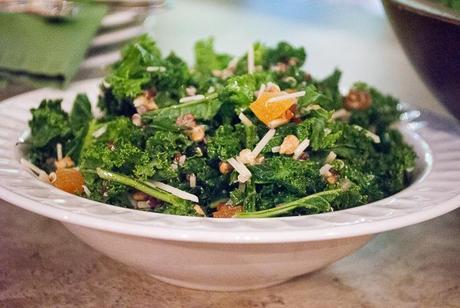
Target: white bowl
{"x": 230, "y": 254}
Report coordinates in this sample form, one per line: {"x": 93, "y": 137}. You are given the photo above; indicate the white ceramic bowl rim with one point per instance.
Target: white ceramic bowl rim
{"x": 434, "y": 193}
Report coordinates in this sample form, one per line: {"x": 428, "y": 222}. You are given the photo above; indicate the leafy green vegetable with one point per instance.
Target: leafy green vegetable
{"x": 178, "y": 206}
{"x": 284, "y": 52}
{"x": 348, "y": 161}
{"x": 312, "y": 204}
{"x": 297, "y": 176}
{"x": 225, "y": 143}
{"x": 204, "y": 109}
{"x": 239, "y": 91}
{"x": 48, "y": 122}
{"x": 206, "y": 59}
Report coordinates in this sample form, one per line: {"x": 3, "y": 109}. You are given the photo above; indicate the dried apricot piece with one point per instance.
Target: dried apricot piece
{"x": 226, "y": 211}
{"x": 69, "y": 180}
{"x": 269, "y": 111}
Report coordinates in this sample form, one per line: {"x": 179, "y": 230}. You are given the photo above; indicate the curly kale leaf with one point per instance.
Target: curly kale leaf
{"x": 239, "y": 91}
{"x": 80, "y": 119}
{"x": 284, "y": 52}
{"x": 204, "y": 109}
{"x": 175, "y": 205}
{"x": 311, "y": 204}
{"x": 329, "y": 87}
{"x": 394, "y": 161}
{"x": 211, "y": 184}
{"x": 49, "y": 122}
{"x": 129, "y": 75}
{"x": 382, "y": 112}
{"x": 174, "y": 78}
{"x": 206, "y": 59}
{"x": 245, "y": 196}
{"x": 296, "y": 176}
{"x": 314, "y": 97}
{"x": 318, "y": 131}
{"x": 225, "y": 143}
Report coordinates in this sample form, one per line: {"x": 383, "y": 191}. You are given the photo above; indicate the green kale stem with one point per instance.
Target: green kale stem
{"x": 149, "y": 190}
{"x": 308, "y": 202}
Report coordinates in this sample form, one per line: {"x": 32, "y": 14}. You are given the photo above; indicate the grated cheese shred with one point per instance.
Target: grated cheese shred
{"x": 286, "y": 96}
{"x": 173, "y": 190}
{"x": 193, "y": 98}
{"x": 263, "y": 142}
{"x": 245, "y": 120}
{"x": 301, "y": 148}
{"x": 251, "y": 66}
{"x": 59, "y": 151}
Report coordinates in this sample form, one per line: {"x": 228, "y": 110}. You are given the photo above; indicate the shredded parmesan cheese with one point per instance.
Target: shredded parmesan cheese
{"x": 277, "y": 123}
{"x": 245, "y": 120}
{"x": 240, "y": 168}
{"x": 276, "y": 149}
{"x": 251, "y": 65}
{"x": 324, "y": 170}
{"x": 286, "y": 96}
{"x": 100, "y": 131}
{"x": 42, "y": 175}
{"x": 301, "y": 148}
{"x": 59, "y": 151}
{"x": 86, "y": 190}
{"x": 192, "y": 180}
{"x": 152, "y": 69}
{"x": 193, "y": 98}
{"x": 331, "y": 157}
{"x": 340, "y": 114}
{"x": 261, "y": 90}
{"x": 31, "y": 166}
{"x": 375, "y": 138}
{"x": 175, "y": 191}
{"x": 233, "y": 63}
{"x": 181, "y": 160}
{"x": 263, "y": 142}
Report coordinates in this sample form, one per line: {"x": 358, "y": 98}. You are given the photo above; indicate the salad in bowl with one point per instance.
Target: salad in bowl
{"x": 248, "y": 137}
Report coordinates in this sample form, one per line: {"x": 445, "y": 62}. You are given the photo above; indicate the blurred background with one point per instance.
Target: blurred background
{"x": 353, "y": 35}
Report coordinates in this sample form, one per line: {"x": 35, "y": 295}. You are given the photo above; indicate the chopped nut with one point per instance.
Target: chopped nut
{"x": 280, "y": 67}
{"x": 198, "y": 210}
{"x": 141, "y": 109}
{"x": 143, "y": 205}
{"x": 357, "y": 100}
{"x": 332, "y": 179}
{"x": 304, "y": 156}
{"x": 187, "y": 120}
{"x": 225, "y": 167}
{"x": 65, "y": 162}
{"x": 145, "y": 102}
{"x": 293, "y": 61}
{"x": 197, "y": 133}
{"x": 140, "y": 196}
{"x": 151, "y": 105}
{"x": 290, "y": 143}
{"x": 272, "y": 87}
{"x": 259, "y": 160}
{"x": 226, "y": 211}
{"x": 136, "y": 119}
{"x": 190, "y": 91}
{"x": 246, "y": 157}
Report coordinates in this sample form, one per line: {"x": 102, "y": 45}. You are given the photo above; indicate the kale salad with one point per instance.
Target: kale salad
{"x": 251, "y": 136}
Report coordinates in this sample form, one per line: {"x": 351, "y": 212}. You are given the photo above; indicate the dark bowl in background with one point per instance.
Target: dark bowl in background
{"x": 429, "y": 33}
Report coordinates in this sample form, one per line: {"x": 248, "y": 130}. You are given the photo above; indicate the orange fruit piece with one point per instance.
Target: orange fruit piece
{"x": 267, "y": 112}
{"x": 69, "y": 180}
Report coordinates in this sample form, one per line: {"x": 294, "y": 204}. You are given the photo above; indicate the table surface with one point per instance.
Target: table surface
{"x": 42, "y": 264}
